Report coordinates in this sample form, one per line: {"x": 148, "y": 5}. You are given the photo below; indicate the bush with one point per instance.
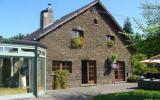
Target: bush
{"x": 152, "y": 70}
{"x": 61, "y": 77}
{"x": 77, "y": 42}
{"x": 110, "y": 43}
{"x": 133, "y": 78}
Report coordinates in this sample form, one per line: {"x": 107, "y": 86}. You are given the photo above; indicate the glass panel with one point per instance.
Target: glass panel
{"x": 43, "y": 53}
{"x": 10, "y": 49}
{"x": 27, "y": 50}
{"x": 15, "y": 75}
{"x": 41, "y": 74}
{"x": 66, "y": 65}
{"x": 1, "y": 49}
{"x": 77, "y": 33}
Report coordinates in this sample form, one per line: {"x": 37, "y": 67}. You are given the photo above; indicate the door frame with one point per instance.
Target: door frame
{"x": 119, "y": 74}
{"x": 85, "y": 71}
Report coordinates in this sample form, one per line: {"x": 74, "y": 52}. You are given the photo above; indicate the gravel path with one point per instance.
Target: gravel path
{"x": 87, "y": 93}
{"x": 83, "y": 93}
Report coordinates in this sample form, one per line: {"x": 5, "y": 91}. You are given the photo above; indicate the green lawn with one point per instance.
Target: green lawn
{"x": 10, "y": 91}
{"x": 134, "y": 95}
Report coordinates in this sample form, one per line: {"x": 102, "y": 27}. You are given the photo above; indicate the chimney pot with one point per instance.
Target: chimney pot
{"x": 46, "y": 17}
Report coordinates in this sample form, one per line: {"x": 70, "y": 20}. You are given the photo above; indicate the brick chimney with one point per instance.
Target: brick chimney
{"x": 46, "y": 17}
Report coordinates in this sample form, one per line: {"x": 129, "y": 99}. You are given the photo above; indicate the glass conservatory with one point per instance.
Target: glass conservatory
{"x": 22, "y": 67}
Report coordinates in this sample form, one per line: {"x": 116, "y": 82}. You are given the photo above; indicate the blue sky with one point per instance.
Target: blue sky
{"x": 22, "y": 16}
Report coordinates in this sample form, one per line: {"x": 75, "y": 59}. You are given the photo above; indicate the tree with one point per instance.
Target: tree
{"x": 149, "y": 44}
{"x": 138, "y": 67}
{"x": 128, "y": 26}
{"x": 1, "y": 37}
{"x": 151, "y": 12}
{"x": 20, "y": 36}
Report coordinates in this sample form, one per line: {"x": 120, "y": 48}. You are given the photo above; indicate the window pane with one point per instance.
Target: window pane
{"x": 41, "y": 74}
{"x": 43, "y": 53}
{"x": 10, "y": 49}
{"x": 1, "y": 49}
{"x": 27, "y": 50}
{"x": 77, "y": 33}
{"x": 66, "y": 65}
{"x": 109, "y": 37}
{"x": 15, "y": 76}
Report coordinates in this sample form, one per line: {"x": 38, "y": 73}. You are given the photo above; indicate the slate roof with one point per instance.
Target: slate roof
{"x": 41, "y": 32}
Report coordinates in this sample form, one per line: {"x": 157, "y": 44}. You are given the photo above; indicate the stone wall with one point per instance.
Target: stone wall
{"x": 94, "y": 48}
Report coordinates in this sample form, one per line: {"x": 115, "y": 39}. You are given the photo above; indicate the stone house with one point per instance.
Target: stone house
{"x": 87, "y": 62}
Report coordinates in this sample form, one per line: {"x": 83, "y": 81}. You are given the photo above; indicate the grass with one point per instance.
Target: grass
{"x": 10, "y": 91}
{"x": 133, "y": 95}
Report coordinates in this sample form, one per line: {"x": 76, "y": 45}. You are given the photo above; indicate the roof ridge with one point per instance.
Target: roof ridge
{"x": 63, "y": 19}
{"x": 41, "y": 32}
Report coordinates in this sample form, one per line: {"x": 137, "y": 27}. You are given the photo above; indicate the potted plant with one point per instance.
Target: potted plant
{"x": 77, "y": 42}
{"x": 114, "y": 57}
{"x": 110, "y": 43}
{"x": 61, "y": 78}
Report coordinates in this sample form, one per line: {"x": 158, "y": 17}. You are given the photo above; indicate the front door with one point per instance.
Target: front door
{"x": 88, "y": 72}
{"x": 120, "y": 71}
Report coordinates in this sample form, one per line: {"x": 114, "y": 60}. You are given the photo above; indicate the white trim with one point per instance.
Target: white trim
{"x": 17, "y": 96}
{"x": 20, "y": 53}
{"x": 45, "y": 83}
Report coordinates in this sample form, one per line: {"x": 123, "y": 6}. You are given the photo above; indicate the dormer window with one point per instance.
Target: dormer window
{"x": 110, "y": 41}
{"x": 77, "y": 38}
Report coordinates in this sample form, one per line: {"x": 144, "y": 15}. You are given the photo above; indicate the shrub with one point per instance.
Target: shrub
{"x": 152, "y": 70}
{"x": 110, "y": 43}
{"x": 61, "y": 77}
{"x": 77, "y": 42}
{"x": 133, "y": 78}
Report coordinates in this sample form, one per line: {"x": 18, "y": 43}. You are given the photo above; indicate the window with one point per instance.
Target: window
{"x": 77, "y": 33}
{"x": 43, "y": 53}
{"x": 77, "y": 38}
{"x": 65, "y": 65}
{"x": 95, "y": 21}
{"x": 27, "y": 50}
{"x": 1, "y": 49}
{"x": 110, "y": 37}
{"x": 10, "y": 49}
{"x": 110, "y": 41}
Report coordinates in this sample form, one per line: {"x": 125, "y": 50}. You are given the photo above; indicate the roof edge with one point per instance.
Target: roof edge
{"x": 93, "y": 3}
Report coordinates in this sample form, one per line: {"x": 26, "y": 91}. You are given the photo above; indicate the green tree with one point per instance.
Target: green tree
{"x": 138, "y": 67}
{"x": 20, "y": 36}
{"x": 127, "y": 26}
{"x": 1, "y": 37}
{"x": 149, "y": 43}
{"x": 151, "y": 12}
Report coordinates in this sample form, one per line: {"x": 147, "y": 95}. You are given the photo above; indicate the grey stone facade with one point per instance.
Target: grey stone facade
{"x": 58, "y": 42}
